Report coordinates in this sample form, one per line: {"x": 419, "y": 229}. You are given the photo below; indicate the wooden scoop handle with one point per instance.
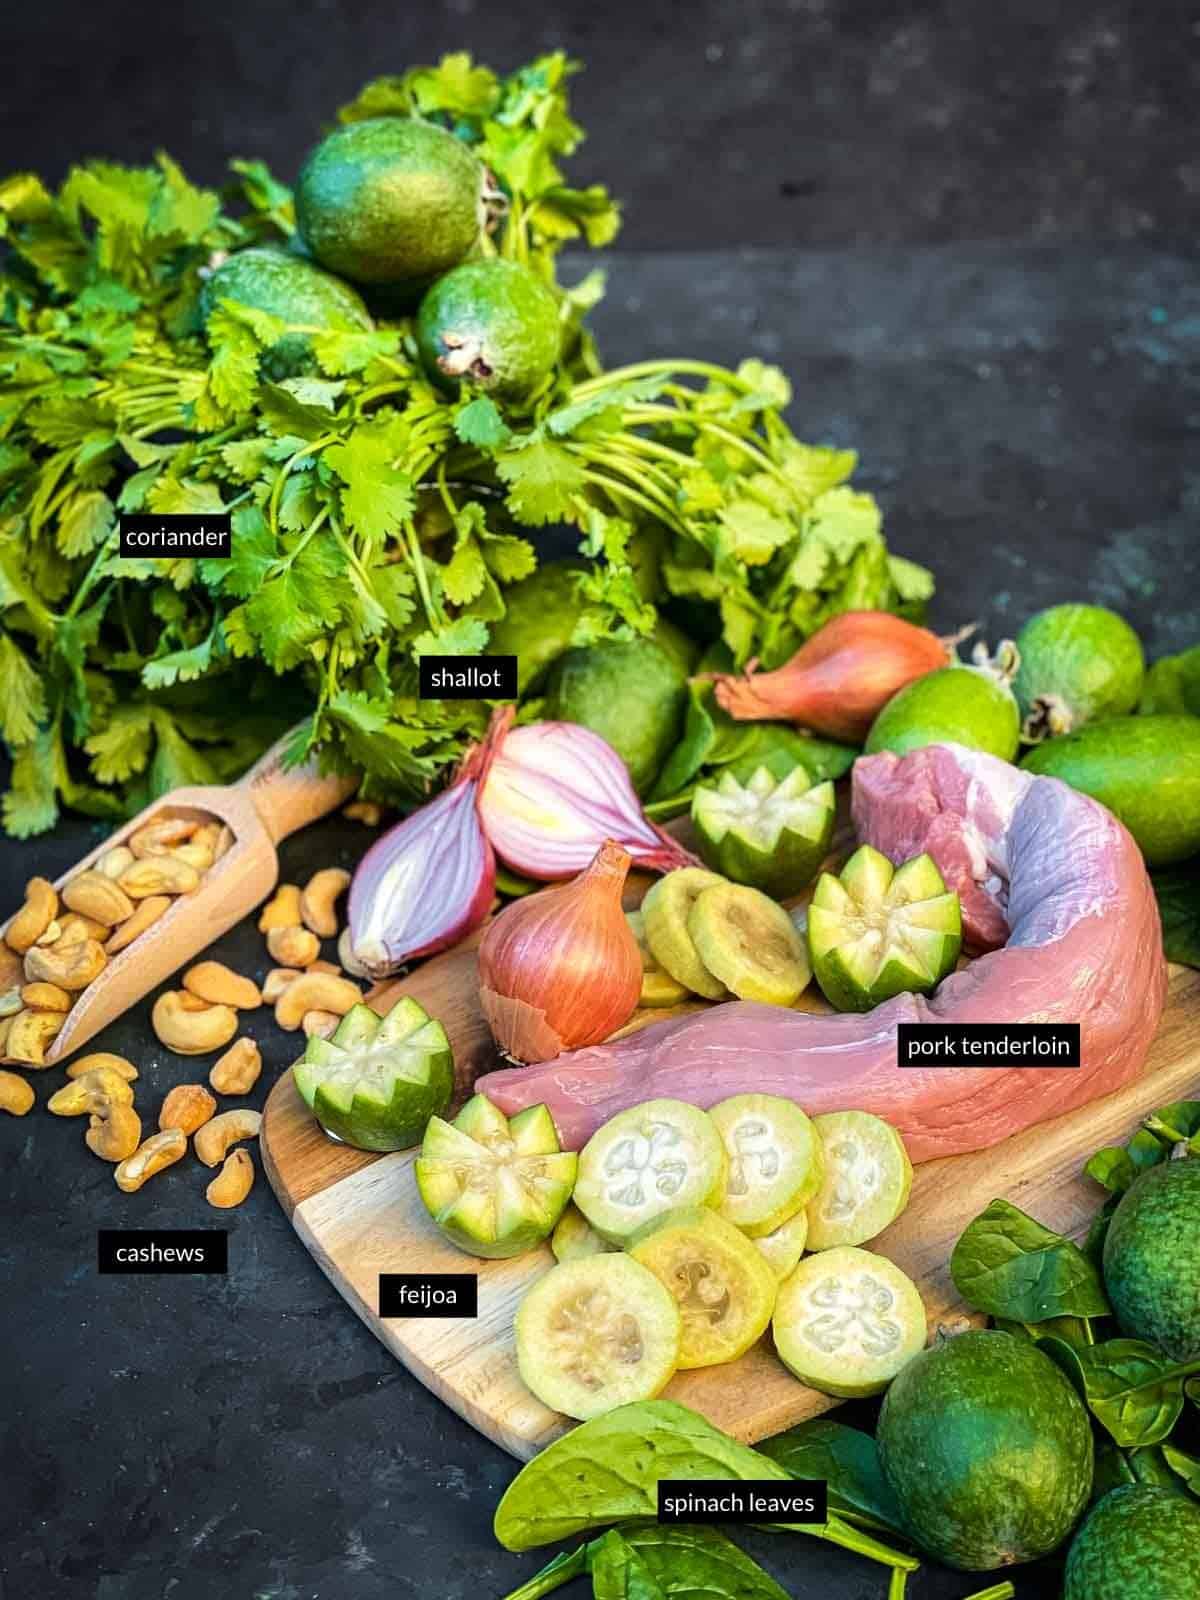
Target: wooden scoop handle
{"x": 290, "y": 799}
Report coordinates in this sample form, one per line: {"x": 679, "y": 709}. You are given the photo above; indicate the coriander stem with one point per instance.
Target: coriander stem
{"x": 418, "y": 566}
{"x": 618, "y": 491}
{"x": 898, "y": 1584}
{"x": 645, "y": 369}
{"x": 998, "y": 1591}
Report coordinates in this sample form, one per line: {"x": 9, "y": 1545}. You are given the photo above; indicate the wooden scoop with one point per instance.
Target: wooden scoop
{"x": 263, "y": 807}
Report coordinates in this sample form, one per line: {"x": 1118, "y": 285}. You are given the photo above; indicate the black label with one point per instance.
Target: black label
{"x": 743, "y": 1500}
{"x": 162, "y": 1250}
{"x": 428, "y": 1294}
{"x": 468, "y": 678}
{"x": 988, "y": 1044}
{"x": 201, "y": 533}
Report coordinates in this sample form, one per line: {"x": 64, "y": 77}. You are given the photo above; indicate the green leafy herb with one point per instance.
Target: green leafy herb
{"x": 1131, "y": 1388}
{"x": 1009, "y": 1265}
{"x": 1178, "y": 892}
{"x": 653, "y": 1563}
{"x": 1117, "y": 1166}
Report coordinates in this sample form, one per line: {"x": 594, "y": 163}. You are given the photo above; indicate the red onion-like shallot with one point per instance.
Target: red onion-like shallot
{"x": 429, "y": 880}
{"x": 555, "y": 792}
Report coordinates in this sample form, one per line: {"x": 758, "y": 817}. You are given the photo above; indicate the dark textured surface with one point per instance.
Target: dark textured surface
{"x": 1028, "y": 418}
{"x": 771, "y": 122}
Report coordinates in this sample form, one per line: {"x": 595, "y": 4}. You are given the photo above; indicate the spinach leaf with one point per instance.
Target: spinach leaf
{"x": 1009, "y": 1265}
{"x": 693, "y": 1563}
{"x": 848, "y": 1461}
{"x": 607, "y": 1470}
{"x": 1072, "y": 1330}
{"x": 1183, "y": 1466}
{"x": 1178, "y": 892}
{"x": 781, "y": 750}
{"x": 1178, "y": 1123}
{"x": 566, "y": 1566}
{"x": 1117, "y": 1166}
{"x": 1127, "y": 1384}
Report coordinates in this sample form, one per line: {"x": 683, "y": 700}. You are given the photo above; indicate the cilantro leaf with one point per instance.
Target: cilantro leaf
{"x": 22, "y": 702}
{"x": 543, "y": 479}
{"x": 378, "y": 493}
{"x": 479, "y": 422}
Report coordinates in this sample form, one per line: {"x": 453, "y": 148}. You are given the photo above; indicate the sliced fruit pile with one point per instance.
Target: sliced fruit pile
{"x": 878, "y": 931}
{"x": 683, "y": 1240}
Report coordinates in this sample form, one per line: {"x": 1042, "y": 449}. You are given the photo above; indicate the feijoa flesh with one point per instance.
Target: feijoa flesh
{"x": 866, "y": 1179}
{"x": 492, "y": 325}
{"x": 847, "y": 1321}
{"x": 376, "y": 1083}
{"x": 647, "y": 1160}
{"x": 659, "y": 988}
{"x": 496, "y": 1186}
{"x": 776, "y": 1160}
{"x": 877, "y": 931}
{"x": 768, "y": 833}
{"x": 665, "y": 911}
{"x": 750, "y": 944}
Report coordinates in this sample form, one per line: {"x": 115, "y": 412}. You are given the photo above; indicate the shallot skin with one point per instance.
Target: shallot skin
{"x": 1071, "y": 894}
{"x": 839, "y": 680}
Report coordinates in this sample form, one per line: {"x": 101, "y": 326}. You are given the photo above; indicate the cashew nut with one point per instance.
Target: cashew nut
{"x": 52, "y": 934}
{"x": 158, "y": 875}
{"x": 11, "y": 1002}
{"x": 187, "y": 1107}
{"x": 346, "y": 956}
{"x": 224, "y": 842}
{"x": 214, "y": 982}
{"x": 160, "y": 836}
{"x": 16, "y": 1094}
{"x": 114, "y": 1132}
{"x": 93, "y": 895}
{"x": 188, "y": 1032}
{"x": 114, "y": 862}
{"x": 238, "y": 1069}
{"x": 12, "y": 969}
{"x": 208, "y": 834}
{"x": 364, "y": 811}
{"x": 293, "y": 947}
{"x": 321, "y": 1024}
{"x": 274, "y": 984}
{"x": 35, "y": 916}
{"x": 160, "y": 1150}
{"x": 148, "y": 912}
{"x": 90, "y": 1093}
{"x": 195, "y": 855}
{"x": 103, "y": 1058}
{"x": 315, "y": 991}
{"x": 45, "y": 997}
{"x": 72, "y": 967}
{"x": 321, "y": 894}
{"x": 29, "y": 1034}
{"x": 234, "y": 1181}
{"x": 214, "y": 1139}
{"x": 282, "y": 910}
{"x": 73, "y": 927}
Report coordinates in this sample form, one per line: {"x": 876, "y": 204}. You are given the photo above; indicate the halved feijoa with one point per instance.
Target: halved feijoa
{"x": 846, "y": 1321}
{"x": 767, "y": 833}
{"x": 597, "y": 1333}
{"x": 574, "y": 1237}
{"x": 659, "y": 988}
{"x": 750, "y": 944}
{"x": 866, "y": 1180}
{"x": 878, "y": 931}
{"x": 724, "y": 1288}
{"x": 666, "y": 909}
{"x": 783, "y": 1248}
{"x": 378, "y": 1081}
{"x": 494, "y": 1185}
{"x": 647, "y": 1160}
{"x": 775, "y": 1160}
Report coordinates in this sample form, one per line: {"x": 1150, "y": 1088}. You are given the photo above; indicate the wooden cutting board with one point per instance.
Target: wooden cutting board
{"x": 361, "y": 1215}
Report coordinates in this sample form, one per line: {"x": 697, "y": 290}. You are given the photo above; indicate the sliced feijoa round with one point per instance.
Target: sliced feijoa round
{"x": 879, "y": 931}
{"x": 724, "y": 1288}
{"x": 750, "y": 944}
{"x": 659, "y": 988}
{"x": 574, "y": 1237}
{"x": 377, "y": 1082}
{"x": 783, "y": 1248}
{"x": 768, "y": 833}
{"x": 666, "y": 909}
{"x": 867, "y": 1177}
{"x": 647, "y": 1160}
{"x": 775, "y": 1160}
{"x": 494, "y": 1186}
{"x": 846, "y": 1321}
{"x": 597, "y": 1333}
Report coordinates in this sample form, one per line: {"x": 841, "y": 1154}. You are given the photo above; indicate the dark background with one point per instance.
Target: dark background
{"x": 966, "y": 231}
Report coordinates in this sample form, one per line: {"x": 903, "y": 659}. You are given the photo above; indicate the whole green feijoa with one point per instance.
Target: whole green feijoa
{"x": 630, "y": 692}
{"x": 1078, "y": 663}
{"x": 1146, "y": 770}
{"x": 1152, "y": 1259}
{"x": 1140, "y": 1542}
{"x": 391, "y": 200}
{"x": 291, "y": 288}
{"x": 956, "y": 705}
{"x": 988, "y": 1449}
{"x": 493, "y": 324}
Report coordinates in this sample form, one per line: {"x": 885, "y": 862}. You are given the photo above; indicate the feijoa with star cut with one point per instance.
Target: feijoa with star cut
{"x": 771, "y": 834}
{"x": 878, "y": 931}
{"x": 379, "y": 1080}
{"x": 495, "y": 1185}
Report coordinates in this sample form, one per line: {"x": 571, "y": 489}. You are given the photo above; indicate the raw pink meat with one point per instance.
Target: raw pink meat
{"x": 1033, "y": 859}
